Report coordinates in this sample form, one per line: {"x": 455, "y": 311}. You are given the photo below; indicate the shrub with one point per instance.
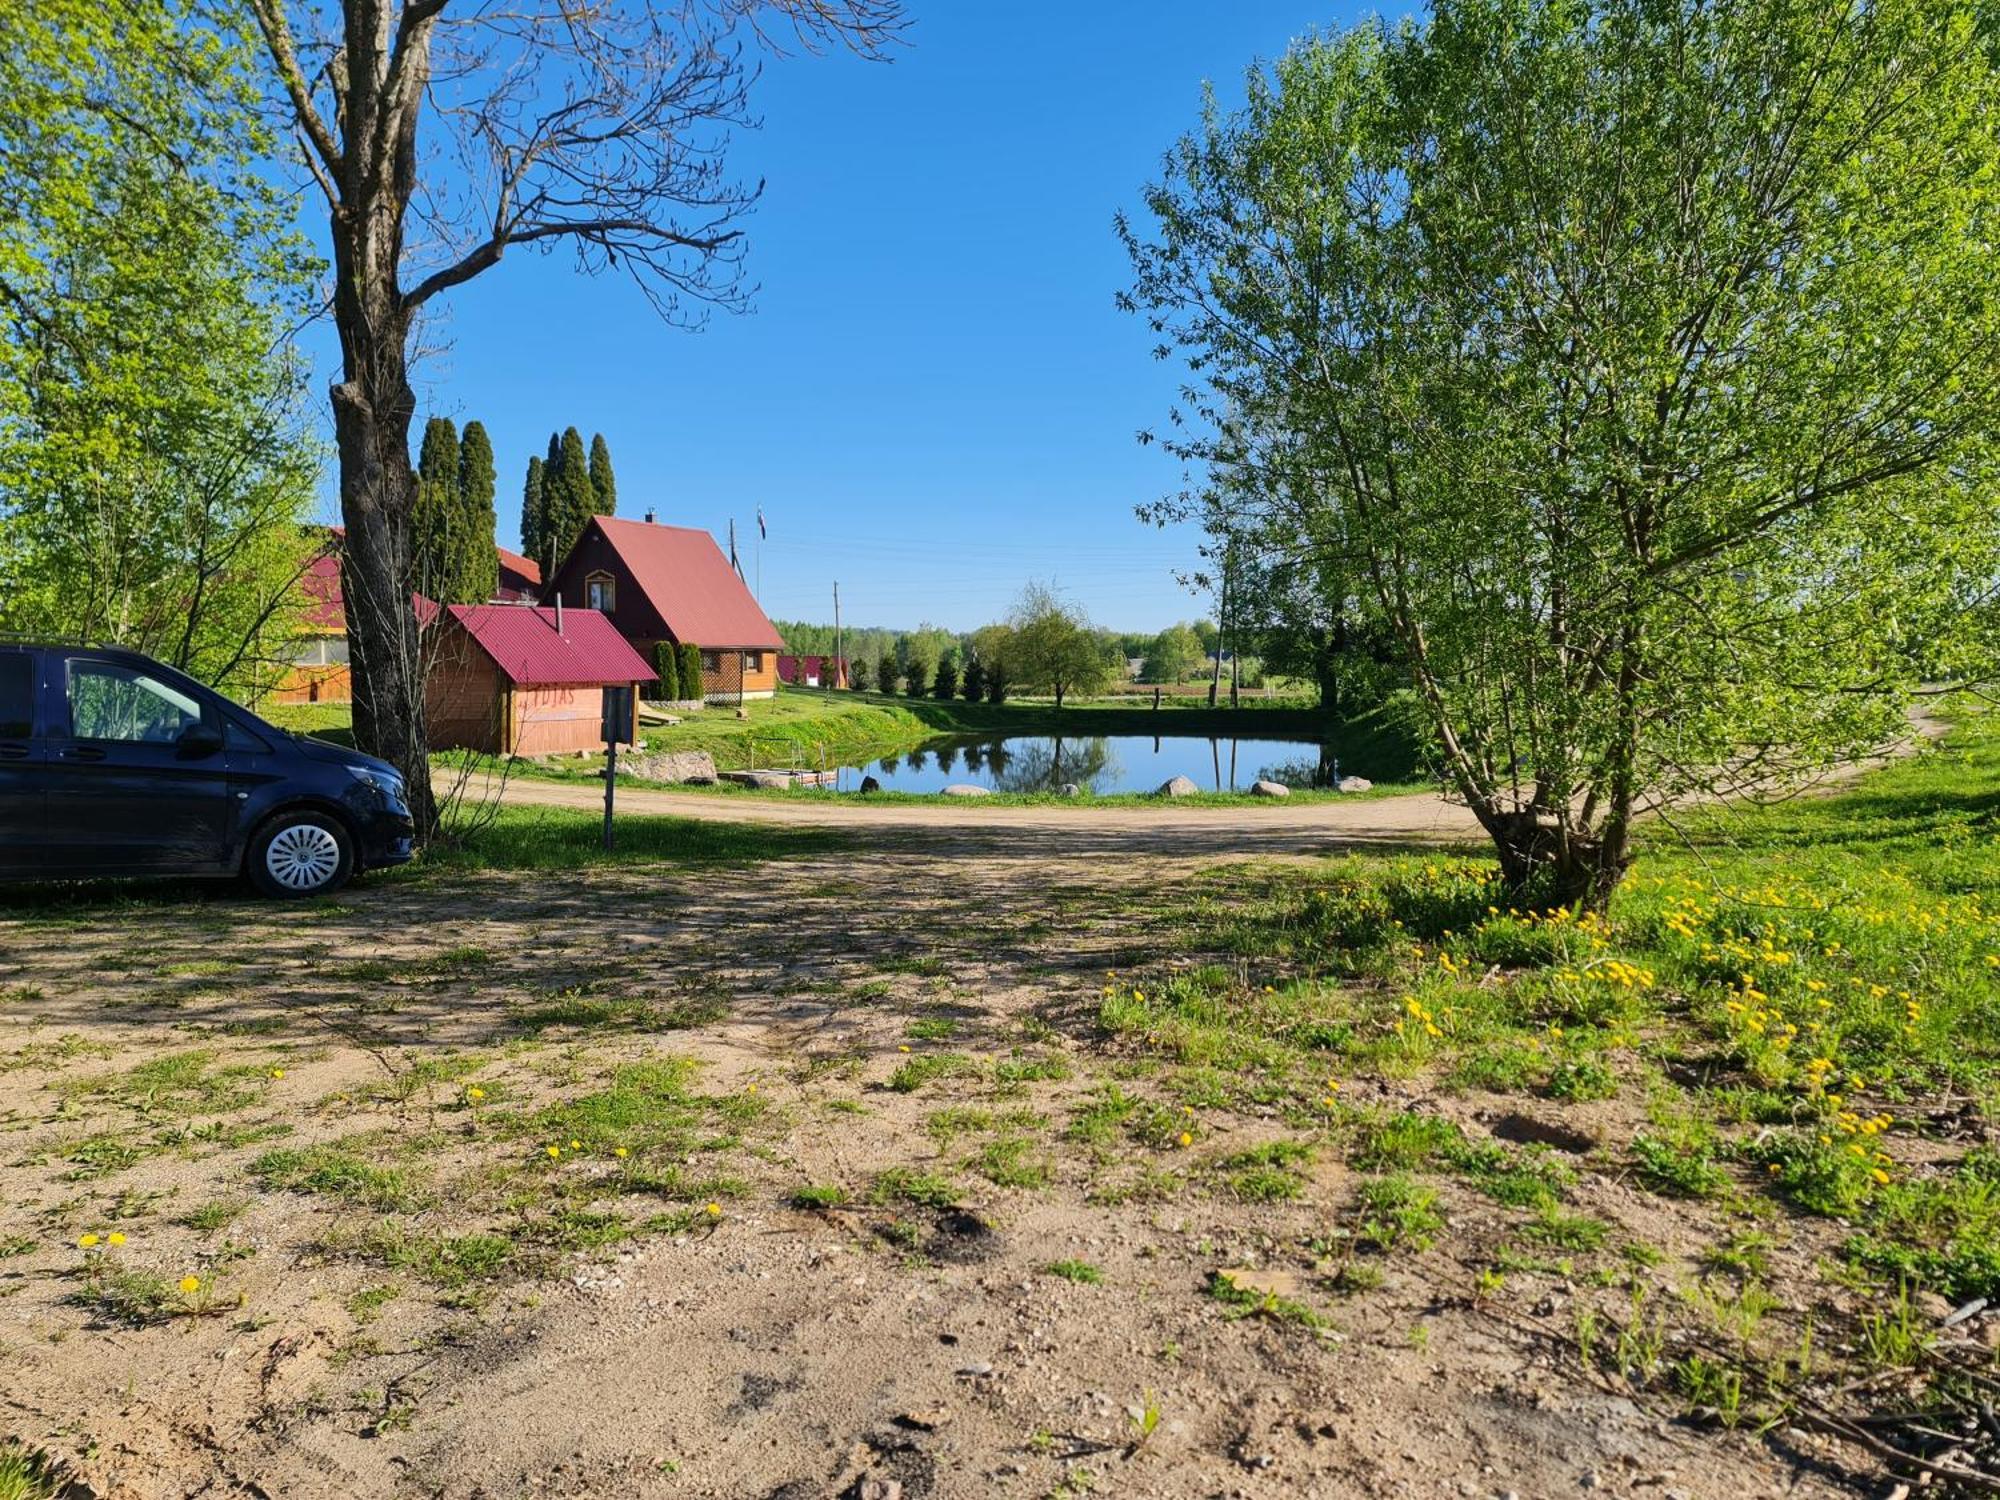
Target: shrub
{"x": 945, "y": 683}
{"x": 885, "y": 674}
{"x": 690, "y": 673}
{"x": 857, "y": 675}
{"x": 667, "y": 662}
{"x": 973, "y": 683}
{"x": 996, "y": 686}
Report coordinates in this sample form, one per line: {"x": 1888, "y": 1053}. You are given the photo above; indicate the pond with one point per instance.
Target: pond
{"x": 1101, "y": 763}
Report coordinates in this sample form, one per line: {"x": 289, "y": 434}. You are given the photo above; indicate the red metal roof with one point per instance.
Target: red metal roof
{"x": 690, "y": 584}
{"x": 326, "y": 611}
{"x": 524, "y": 644}
{"x": 520, "y": 577}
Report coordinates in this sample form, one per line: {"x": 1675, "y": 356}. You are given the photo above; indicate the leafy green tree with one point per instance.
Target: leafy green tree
{"x": 534, "y": 523}
{"x": 1172, "y": 655}
{"x": 1625, "y": 348}
{"x": 858, "y": 675}
{"x": 494, "y": 127}
{"x": 691, "y": 684}
{"x": 667, "y": 663}
{"x": 436, "y": 523}
{"x": 156, "y": 463}
{"x": 479, "y": 562}
{"x": 1053, "y": 648}
{"x": 603, "y": 483}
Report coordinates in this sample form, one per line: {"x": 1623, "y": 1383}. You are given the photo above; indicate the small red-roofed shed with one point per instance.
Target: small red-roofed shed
{"x": 511, "y": 679}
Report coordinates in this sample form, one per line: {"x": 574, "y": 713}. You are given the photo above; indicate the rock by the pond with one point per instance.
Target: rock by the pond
{"x": 669, "y": 765}
{"x": 1180, "y": 786}
{"x": 870, "y": 784}
{"x": 1355, "y": 784}
{"x": 1270, "y": 789}
{"x": 966, "y": 789}
{"x": 1070, "y": 789}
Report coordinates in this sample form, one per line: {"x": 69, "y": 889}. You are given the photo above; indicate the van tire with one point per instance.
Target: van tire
{"x": 300, "y": 854}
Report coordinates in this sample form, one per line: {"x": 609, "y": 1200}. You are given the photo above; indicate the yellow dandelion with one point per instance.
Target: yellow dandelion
{"x": 475, "y": 1093}
{"x": 190, "y": 1285}
{"x": 1186, "y": 1139}
{"x": 713, "y": 1210}
{"x": 277, "y": 1072}
{"x": 87, "y": 1241}
{"x": 114, "y": 1238}
{"x": 621, "y": 1153}
{"x": 555, "y": 1153}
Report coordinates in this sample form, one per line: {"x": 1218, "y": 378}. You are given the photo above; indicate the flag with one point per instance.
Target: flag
{"x": 763, "y": 532}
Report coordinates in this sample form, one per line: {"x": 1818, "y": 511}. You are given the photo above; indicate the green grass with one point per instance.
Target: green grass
{"x": 26, "y": 1474}
{"x": 1080, "y": 1271}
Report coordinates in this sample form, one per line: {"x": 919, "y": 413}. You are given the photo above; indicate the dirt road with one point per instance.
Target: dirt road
{"x": 1280, "y": 828}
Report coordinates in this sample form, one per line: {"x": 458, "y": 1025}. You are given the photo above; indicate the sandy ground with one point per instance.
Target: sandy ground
{"x": 767, "y": 1350}
{"x": 1277, "y": 829}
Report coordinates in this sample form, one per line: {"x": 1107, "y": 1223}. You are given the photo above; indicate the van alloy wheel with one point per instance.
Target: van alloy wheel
{"x": 303, "y": 857}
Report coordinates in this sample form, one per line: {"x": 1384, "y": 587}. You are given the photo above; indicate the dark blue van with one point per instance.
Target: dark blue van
{"x": 113, "y": 764}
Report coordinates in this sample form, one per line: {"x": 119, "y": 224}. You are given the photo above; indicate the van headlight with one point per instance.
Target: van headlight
{"x": 386, "y": 782}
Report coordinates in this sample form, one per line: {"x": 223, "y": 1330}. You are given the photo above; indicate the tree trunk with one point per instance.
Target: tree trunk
{"x": 373, "y": 406}
{"x": 1545, "y": 869}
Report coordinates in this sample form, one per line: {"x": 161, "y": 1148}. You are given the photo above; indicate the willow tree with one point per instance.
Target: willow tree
{"x": 442, "y": 134}
{"x": 1638, "y": 359}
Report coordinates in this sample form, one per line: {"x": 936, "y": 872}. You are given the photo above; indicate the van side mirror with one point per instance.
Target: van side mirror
{"x": 198, "y": 742}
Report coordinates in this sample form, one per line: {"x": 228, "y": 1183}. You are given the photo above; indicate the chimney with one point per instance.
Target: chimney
{"x": 558, "y": 614}
{"x": 649, "y": 515}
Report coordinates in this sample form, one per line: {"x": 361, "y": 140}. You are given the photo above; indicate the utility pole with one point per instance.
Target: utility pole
{"x": 839, "y": 658}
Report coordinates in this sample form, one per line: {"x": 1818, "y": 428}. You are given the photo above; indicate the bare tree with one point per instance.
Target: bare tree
{"x": 442, "y": 133}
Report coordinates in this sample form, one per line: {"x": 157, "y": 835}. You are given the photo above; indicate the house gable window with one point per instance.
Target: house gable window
{"x": 600, "y": 591}
{"x": 753, "y": 661}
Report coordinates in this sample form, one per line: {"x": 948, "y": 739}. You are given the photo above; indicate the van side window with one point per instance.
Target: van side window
{"x": 110, "y": 702}
{"x": 17, "y": 694}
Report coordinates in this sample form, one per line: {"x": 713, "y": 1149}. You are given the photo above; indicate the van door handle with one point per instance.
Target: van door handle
{"x": 80, "y": 752}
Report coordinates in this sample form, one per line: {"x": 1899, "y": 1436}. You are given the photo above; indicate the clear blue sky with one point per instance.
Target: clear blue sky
{"x": 934, "y": 399}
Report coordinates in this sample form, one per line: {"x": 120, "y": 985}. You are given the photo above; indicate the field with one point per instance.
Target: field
{"x": 769, "y": 1160}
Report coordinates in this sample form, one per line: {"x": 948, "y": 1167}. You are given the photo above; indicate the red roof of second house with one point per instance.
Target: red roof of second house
{"x": 520, "y": 577}
{"x": 690, "y": 584}
{"x": 525, "y": 644}
{"x": 320, "y": 583}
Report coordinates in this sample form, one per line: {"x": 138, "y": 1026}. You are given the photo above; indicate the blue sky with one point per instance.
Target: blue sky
{"x": 934, "y": 399}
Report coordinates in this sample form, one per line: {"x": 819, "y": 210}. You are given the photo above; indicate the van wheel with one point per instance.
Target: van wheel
{"x": 300, "y": 854}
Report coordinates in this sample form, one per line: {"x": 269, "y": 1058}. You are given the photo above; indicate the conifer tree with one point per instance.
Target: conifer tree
{"x": 435, "y": 521}
{"x": 568, "y": 498}
{"x": 603, "y": 483}
{"x": 478, "y": 564}
{"x": 666, "y": 662}
{"x": 691, "y": 683}
{"x": 534, "y": 524}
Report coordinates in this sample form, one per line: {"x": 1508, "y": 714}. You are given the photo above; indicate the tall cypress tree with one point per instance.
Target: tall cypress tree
{"x": 534, "y": 523}
{"x": 478, "y": 563}
{"x": 602, "y": 481}
{"x": 435, "y": 522}
{"x": 568, "y": 500}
